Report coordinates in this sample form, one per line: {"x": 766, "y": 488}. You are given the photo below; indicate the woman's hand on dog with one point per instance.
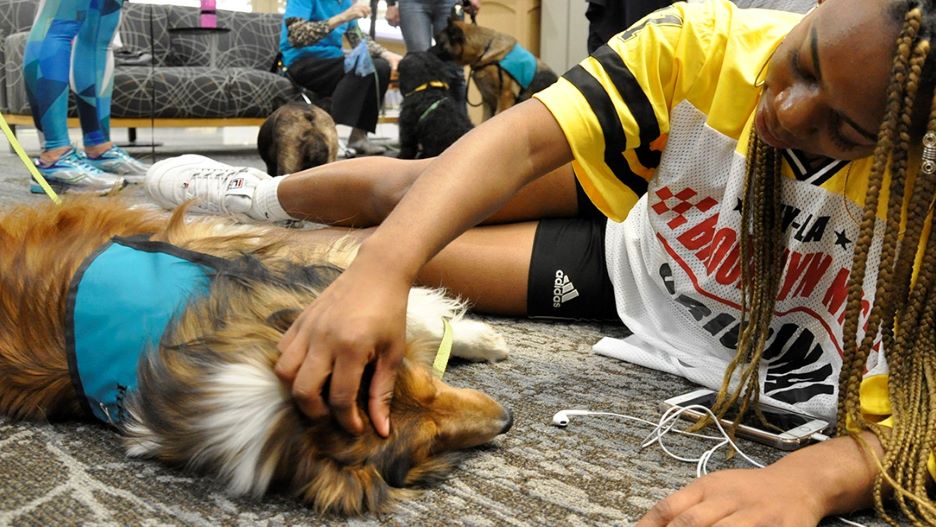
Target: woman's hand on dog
{"x": 358, "y": 319}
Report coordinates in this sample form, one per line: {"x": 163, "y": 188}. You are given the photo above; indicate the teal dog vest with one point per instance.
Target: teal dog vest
{"x": 119, "y": 304}
{"x": 520, "y": 64}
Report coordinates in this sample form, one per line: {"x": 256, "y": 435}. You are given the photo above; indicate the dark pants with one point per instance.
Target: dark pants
{"x": 355, "y": 101}
{"x": 607, "y": 18}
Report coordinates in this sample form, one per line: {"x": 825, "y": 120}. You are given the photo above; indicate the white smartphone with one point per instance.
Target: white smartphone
{"x": 794, "y": 430}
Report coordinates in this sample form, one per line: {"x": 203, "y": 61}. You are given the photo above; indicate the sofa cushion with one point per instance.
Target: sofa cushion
{"x": 16, "y": 16}
{"x": 184, "y": 92}
{"x": 253, "y": 41}
{"x": 14, "y": 45}
{"x": 145, "y": 27}
{"x": 241, "y": 85}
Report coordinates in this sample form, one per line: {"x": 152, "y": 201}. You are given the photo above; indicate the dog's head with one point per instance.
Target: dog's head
{"x": 451, "y": 41}
{"x": 296, "y": 137}
{"x": 420, "y": 67}
{"x": 231, "y": 416}
{"x": 432, "y": 423}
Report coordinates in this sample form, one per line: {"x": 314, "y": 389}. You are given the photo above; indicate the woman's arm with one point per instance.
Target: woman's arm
{"x": 833, "y": 477}
{"x": 302, "y": 32}
{"x": 376, "y": 50}
{"x": 360, "y": 318}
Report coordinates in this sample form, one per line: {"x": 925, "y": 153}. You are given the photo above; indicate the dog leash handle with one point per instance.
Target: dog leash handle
{"x": 30, "y": 167}
{"x": 445, "y": 349}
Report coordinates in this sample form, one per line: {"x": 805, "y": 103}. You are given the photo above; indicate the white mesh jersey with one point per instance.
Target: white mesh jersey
{"x": 658, "y": 122}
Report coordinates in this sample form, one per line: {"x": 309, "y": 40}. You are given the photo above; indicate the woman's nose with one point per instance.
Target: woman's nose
{"x": 798, "y": 110}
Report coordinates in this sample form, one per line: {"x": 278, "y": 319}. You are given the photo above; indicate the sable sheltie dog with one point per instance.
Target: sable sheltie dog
{"x": 207, "y": 397}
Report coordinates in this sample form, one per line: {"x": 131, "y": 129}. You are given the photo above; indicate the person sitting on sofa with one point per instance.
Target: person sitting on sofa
{"x": 47, "y": 69}
{"x": 312, "y": 54}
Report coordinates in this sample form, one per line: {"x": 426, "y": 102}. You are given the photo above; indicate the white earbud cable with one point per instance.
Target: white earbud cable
{"x": 666, "y": 425}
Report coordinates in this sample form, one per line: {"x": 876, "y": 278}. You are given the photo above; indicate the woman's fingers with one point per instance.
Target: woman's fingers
{"x": 381, "y": 389}
{"x": 667, "y": 509}
{"x": 343, "y": 392}
{"x": 308, "y": 386}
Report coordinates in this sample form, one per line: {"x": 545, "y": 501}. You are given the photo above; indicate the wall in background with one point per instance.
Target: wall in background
{"x": 563, "y": 33}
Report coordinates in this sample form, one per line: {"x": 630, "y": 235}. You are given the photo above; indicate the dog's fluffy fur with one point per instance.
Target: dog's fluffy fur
{"x": 482, "y": 48}
{"x": 425, "y": 131}
{"x": 208, "y": 398}
{"x": 295, "y": 137}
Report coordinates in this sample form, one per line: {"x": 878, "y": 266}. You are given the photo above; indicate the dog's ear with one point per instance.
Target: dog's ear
{"x": 395, "y": 469}
{"x": 455, "y": 33}
{"x": 347, "y": 490}
{"x": 283, "y": 318}
{"x": 434, "y": 470}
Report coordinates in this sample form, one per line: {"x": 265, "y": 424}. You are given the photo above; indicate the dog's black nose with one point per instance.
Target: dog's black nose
{"x": 509, "y": 422}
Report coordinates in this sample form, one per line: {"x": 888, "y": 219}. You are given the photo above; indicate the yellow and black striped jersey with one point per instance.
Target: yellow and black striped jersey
{"x": 658, "y": 121}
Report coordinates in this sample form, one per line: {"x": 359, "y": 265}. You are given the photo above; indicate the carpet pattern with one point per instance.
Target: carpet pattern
{"x": 591, "y": 473}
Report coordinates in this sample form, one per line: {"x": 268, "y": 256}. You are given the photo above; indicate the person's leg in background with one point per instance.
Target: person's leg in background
{"x": 46, "y": 73}
{"x": 416, "y": 24}
{"x": 356, "y": 193}
{"x": 441, "y": 11}
{"x": 420, "y": 20}
{"x": 356, "y": 102}
{"x": 93, "y": 75}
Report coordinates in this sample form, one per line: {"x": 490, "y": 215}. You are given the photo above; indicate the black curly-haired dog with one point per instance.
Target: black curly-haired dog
{"x": 430, "y": 119}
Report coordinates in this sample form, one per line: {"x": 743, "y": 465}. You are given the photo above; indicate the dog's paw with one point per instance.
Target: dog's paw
{"x": 476, "y": 341}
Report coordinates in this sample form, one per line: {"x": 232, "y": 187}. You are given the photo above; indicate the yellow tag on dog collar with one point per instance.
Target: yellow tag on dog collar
{"x": 445, "y": 349}
{"x": 430, "y": 84}
{"x": 30, "y": 166}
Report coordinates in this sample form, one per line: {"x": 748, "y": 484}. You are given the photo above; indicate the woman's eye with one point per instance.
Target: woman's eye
{"x": 797, "y": 67}
{"x": 838, "y": 139}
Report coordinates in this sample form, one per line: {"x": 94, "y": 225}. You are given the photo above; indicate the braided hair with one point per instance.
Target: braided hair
{"x": 903, "y": 313}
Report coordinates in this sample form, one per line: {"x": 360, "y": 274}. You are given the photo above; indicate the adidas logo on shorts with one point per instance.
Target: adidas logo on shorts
{"x": 563, "y": 290}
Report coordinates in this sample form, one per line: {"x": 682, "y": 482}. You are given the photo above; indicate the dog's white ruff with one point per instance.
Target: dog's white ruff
{"x": 243, "y": 401}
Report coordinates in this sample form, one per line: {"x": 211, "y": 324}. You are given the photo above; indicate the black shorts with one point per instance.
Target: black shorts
{"x": 568, "y": 272}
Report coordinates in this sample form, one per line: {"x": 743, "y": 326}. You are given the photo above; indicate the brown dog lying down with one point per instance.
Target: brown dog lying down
{"x": 206, "y": 397}
{"x": 295, "y": 137}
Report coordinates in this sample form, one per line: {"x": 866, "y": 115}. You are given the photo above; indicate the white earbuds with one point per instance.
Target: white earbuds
{"x": 562, "y": 417}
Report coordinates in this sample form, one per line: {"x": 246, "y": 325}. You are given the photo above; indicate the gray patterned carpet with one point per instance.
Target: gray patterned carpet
{"x": 591, "y": 473}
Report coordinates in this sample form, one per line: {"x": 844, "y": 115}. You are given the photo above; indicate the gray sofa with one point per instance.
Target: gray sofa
{"x": 180, "y": 87}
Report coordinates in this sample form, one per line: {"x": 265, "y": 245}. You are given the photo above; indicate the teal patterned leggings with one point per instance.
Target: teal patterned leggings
{"x": 55, "y": 58}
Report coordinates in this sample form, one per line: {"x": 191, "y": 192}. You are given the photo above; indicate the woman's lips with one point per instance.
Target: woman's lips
{"x": 765, "y": 133}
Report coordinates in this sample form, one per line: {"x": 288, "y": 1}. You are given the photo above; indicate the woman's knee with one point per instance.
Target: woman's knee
{"x": 383, "y": 71}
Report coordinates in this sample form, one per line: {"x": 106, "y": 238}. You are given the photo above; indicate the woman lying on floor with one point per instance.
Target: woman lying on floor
{"x": 770, "y": 219}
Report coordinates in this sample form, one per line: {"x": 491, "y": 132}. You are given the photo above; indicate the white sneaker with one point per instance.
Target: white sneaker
{"x": 217, "y": 188}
